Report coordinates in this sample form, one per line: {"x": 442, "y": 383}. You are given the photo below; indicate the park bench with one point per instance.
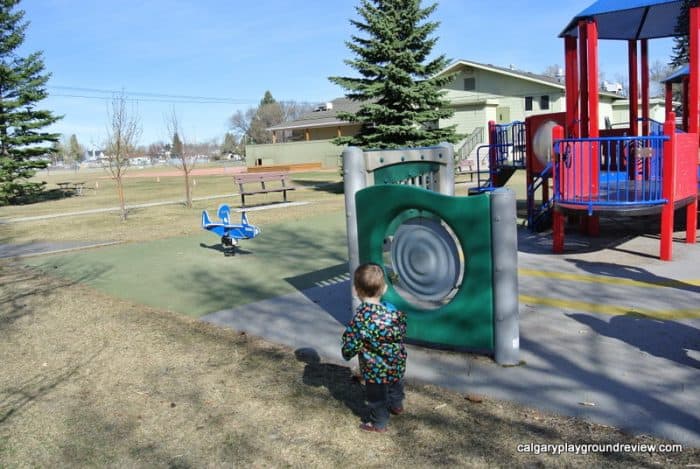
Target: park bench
{"x": 467, "y": 167}
{"x": 261, "y": 178}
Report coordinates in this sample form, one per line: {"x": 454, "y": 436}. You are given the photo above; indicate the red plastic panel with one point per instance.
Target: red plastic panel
{"x": 686, "y": 166}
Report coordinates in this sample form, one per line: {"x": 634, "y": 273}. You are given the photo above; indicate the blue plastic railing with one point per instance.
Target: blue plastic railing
{"x": 486, "y": 182}
{"x": 629, "y": 169}
{"x": 655, "y": 127}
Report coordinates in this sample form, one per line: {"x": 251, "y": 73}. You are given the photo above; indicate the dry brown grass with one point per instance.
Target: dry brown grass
{"x": 89, "y": 380}
{"x": 159, "y": 221}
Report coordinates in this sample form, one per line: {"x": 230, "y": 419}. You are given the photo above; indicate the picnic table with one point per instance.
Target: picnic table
{"x": 71, "y": 187}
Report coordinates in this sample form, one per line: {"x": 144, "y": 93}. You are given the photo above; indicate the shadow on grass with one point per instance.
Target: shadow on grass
{"x": 339, "y": 381}
{"x": 480, "y": 436}
{"x": 14, "y": 295}
{"x": 228, "y": 251}
{"x": 45, "y": 196}
{"x": 20, "y": 395}
{"x": 322, "y": 186}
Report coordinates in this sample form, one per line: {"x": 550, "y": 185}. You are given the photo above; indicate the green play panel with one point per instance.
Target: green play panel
{"x": 190, "y": 275}
{"x": 466, "y": 320}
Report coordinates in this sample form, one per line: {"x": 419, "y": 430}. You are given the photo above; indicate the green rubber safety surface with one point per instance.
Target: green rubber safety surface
{"x": 467, "y": 319}
{"x": 192, "y": 276}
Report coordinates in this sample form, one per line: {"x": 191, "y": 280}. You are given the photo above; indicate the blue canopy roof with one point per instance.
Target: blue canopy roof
{"x": 630, "y": 19}
{"x": 677, "y": 76}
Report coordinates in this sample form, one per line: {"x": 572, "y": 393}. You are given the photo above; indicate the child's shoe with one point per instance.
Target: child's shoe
{"x": 368, "y": 427}
{"x": 396, "y": 410}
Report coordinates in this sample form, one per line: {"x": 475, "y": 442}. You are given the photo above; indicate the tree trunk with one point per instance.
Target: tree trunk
{"x": 122, "y": 201}
{"x": 188, "y": 190}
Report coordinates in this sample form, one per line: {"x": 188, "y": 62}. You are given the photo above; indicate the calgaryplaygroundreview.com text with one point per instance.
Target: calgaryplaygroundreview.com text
{"x": 586, "y": 448}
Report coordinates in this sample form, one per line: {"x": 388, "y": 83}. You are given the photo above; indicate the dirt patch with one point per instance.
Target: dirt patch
{"x": 225, "y": 171}
{"x": 91, "y": 380}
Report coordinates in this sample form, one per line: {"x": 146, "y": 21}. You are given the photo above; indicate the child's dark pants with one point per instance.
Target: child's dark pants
{"x": 381, "y": 397}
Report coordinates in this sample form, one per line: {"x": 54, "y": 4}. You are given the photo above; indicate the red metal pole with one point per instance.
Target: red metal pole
{"x": 685, "y": 102}
{"x": 668, "y": 95}
{"x": 691, "y": 221}
{"x": 571, "y": 82}
{"x": 634, "y": 90}
{"x": 645, "y": 87}
{"x": 593, "y": 101}
{"x": 493, "y": 155}
{"x": 669, "y": 183}
{"x": 692, "y": 110}
{"x": 583, "y": 80}
{"x": 557, "y": 216}
{"x": 694, "y": 69}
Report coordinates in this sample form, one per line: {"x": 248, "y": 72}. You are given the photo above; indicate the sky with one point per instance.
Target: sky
{"x": 206, "y": 59}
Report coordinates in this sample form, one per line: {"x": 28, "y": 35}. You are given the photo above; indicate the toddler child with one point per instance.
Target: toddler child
{"x": 376, "y": 334}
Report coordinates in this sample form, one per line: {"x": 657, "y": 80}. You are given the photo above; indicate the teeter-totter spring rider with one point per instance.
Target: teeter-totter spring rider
{"x": 450, "y": 262}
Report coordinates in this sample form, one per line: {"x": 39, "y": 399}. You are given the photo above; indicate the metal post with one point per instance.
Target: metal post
{"x": 354, "y": 179}
{"x": 634, "y": 86}
{"x": 668, "y": 189}
{"x": 447, "y": 172}
{"x": 505, "y": 277}
{"x": 571, "y": 80}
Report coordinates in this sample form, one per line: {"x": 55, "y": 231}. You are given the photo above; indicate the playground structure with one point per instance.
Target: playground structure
{"x": 647, "y": 168}
{"x": 450, "y": 262}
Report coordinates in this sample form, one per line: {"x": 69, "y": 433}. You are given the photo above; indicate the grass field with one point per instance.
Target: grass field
{"x": 96, "y": 373}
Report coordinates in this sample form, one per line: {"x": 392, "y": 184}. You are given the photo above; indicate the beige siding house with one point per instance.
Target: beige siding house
{"x": 478, "y": 93}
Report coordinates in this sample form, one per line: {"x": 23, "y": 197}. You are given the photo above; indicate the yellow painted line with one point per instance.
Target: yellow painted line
{"x": 608, "y": 279}
{"x": 613, "y": 310}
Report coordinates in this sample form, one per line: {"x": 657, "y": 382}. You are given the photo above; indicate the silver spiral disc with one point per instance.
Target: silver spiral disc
{"x": 426, "y": 259}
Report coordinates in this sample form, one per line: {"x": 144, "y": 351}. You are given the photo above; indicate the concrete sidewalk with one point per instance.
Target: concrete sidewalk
{"x": 588, "y": 348}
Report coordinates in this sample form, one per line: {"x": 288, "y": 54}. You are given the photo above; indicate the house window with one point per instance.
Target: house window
{"x": 469, "y": 84}
{"x": 528, "y": 103}
{"x": 544, "y": 102}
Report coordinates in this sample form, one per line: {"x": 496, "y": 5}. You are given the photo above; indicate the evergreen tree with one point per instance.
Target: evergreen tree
{"x": 400, "y": 91}
{"x": 176, "y": 147}
{"x": 681, "y": 53}
{"x": 230, "y": 145}
{"x": 267, "y": 99}
{"x": 22, "y": 85}
{"x": 75, "y": 150}
{"x": 57, "y": 152}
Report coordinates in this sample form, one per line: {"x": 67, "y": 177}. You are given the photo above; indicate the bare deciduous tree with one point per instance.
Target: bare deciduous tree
{"x": 186, "y": 154}
{"x": 657, "y": 72}
{"x": 254, "y": 122}
{"x": 553, "y": 71}
{"x": 123, "y": 131}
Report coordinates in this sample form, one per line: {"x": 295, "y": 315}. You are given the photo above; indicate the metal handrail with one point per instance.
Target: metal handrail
{"x": 471, "y": 142}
